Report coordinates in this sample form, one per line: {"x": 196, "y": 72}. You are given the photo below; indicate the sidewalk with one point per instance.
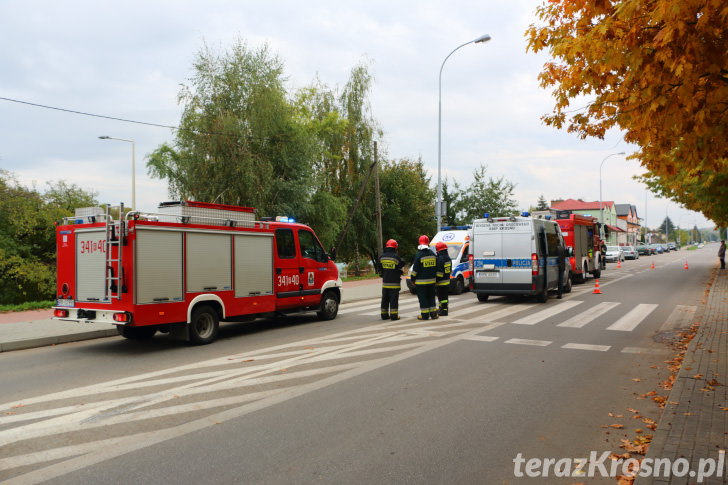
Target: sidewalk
{"x": 694, "y": 423}
{"x": 35, "y": 328}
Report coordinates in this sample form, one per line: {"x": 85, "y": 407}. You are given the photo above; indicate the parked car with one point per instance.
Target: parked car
{"x": 643, "y": 250}
{"x": 672, "y": 246}
{"x": 630, "y": 252}
{"x": 657, "y": 248}
{"x": 614, "y": 254}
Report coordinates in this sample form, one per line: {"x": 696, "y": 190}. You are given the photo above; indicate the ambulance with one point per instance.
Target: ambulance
{"x": 186, "y": 267}
{"x": 457, "y": 239}
{"x": 516, "y": 256}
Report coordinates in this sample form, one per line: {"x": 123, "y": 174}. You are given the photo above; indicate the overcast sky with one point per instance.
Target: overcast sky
{"x": 128, "y": 59}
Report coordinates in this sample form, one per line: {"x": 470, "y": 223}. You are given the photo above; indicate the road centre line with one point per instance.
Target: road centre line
{"x": 588, "y": 315}
{"x": 630, "y": 321}
{"x": 548, "y": 312}
{"x": 600, "y": 348}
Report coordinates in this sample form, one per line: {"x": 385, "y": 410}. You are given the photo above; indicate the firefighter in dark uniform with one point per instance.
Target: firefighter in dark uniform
{"x": 423, "y": 276}
{"x": 392, "y": 266}
{"x": 444, "y": 268}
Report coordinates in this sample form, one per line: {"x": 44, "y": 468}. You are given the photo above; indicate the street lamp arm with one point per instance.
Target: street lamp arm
{"x": 438, "y": 208}
{"x": 601, "y": 211}
{"x": 133, "y": 166}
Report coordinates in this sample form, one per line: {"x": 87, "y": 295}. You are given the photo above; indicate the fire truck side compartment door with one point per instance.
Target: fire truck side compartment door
{"x": 253, "y": 265}
{"x": 90, "y": 262}
{"x": 209, "y": 262}
{"x": 158, "y": 266}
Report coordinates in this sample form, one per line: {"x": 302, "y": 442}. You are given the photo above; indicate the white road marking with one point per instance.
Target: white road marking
{"x": 504, "y": 311}
{"x": 630, "y": 321}
{"x": 524, "y": 341}
{"x": 239, "y": 371}
{"x": 644, "y": 350}
{"x": 548, "y": 312}
{"x": 588, "y": 315}
{"x": 600, "y": 348}
{"x": 481, "y": 338}
{"x": 681, "y": 317}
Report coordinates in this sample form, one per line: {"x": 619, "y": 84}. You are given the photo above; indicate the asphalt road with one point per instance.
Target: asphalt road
{"x": 358, "y": 400}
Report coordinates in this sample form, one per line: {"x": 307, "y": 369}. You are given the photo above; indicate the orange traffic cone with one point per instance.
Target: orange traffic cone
{"x": 596, "y": 288}
{"x": 619, "y": 265}
{"x": 686, "y": 264}
{"x": 653, "y": 265}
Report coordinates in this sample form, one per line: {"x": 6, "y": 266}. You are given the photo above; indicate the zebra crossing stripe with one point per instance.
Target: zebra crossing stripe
{"x": 547, "y": 313}
{"x": 630, "y": 321}
{"x": 588, "y": 315}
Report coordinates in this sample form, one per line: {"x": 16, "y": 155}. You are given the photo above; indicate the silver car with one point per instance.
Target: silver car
{"x": 630, "y": 252}
{"x": 614, "y": 254}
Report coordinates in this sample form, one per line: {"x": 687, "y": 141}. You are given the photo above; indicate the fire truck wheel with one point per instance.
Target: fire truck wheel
{"x": 136, "y": 333}
{"x": 204, "y": 325}
{"x": 597, "y": 273}
{"x": 329, "y": 306}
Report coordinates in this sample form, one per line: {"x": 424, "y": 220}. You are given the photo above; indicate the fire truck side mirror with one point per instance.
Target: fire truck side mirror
{"x": 570, "y": 250}
{"x": 332, "y": 254}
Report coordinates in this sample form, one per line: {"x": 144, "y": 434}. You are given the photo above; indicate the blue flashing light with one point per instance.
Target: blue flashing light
{"x": 285, "y": 219}
{"x": 547, "y": 217}
{"x": 486, "y": 215}
{"x": 524, "y": 214}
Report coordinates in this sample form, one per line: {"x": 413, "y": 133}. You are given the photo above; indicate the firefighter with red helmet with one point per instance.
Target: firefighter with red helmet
{"x": 424, "y": 277}
{"x": 392, "y": 266}
{"x": 444, "y": 269}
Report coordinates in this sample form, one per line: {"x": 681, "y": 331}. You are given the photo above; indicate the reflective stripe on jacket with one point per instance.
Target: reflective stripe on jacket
{"x": 424, "y": 268}
{"x": 444, "y": 268}
{"x": 392, "y": 266}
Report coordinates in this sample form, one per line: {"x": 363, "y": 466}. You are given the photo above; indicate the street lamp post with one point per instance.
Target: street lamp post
{"x": 133, "y": 167}
{"x": 601, "y": 211}
{"x": 438, "y": 208}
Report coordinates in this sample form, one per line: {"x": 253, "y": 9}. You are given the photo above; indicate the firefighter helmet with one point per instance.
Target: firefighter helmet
{"x": 424, "y": 240}
{"x": 392, "y": 244}
{"x": 440, "y": 246}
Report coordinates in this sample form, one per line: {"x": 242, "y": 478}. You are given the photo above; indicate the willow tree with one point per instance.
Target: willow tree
{"x": 239, "y": 141}
{"x": 656, "y": 70}
{"x": 343, "y": 131}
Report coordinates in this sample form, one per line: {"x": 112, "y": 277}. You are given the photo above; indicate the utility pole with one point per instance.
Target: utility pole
{"x": 379, "y": 202}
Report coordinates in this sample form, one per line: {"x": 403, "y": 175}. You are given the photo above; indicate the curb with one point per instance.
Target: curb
{"x": 55, "y": 339}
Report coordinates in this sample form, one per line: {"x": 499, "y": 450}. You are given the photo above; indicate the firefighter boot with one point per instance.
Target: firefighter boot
{"x": 385, "y": 315}
{"x": 443, "y": 310}
{"x": 434, "y": 315}
{"x": 394, "y": 315}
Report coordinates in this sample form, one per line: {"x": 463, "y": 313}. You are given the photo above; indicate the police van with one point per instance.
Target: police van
{"x": 457, "y": 239}
{"x": 516, "y": 256}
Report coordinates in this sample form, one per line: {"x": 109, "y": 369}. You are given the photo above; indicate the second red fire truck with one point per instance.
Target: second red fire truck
{"x": 186, "y": 267}
{"x": 581, "y": 233}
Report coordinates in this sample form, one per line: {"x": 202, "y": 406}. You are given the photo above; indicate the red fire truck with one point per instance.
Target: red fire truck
{"x": 581, "y": 234}
{"x": 186, "y": 267}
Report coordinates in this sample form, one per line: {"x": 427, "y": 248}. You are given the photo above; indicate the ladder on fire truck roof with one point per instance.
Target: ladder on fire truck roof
{"x": 114, "y": 272}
